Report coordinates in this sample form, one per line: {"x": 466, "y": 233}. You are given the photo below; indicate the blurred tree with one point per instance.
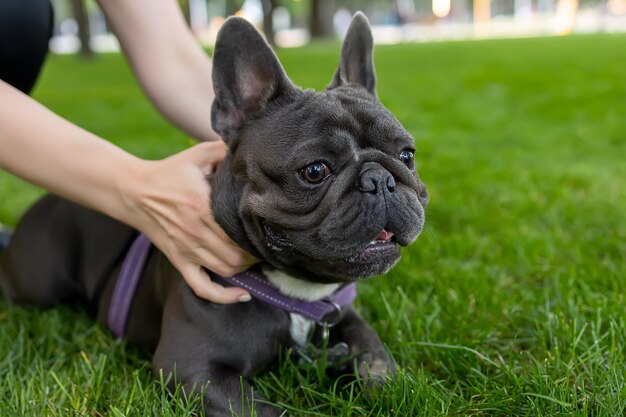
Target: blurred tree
{"x": 268, "y": 21}
{"x": 84, "y": 31}
{"x": 232, "y": 6}
{"x": 298, "y": 10}
{"x": 321, "y": 18}
{"x": 460, "y": 11}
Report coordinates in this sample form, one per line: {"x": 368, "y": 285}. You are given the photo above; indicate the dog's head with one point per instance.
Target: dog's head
{"x": 320, "y": 184}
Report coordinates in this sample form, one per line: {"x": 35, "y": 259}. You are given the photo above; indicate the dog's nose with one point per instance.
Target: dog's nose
{"x": 375, "y": 178}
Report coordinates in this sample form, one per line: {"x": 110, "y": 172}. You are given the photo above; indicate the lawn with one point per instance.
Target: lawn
{"x": 513, "y": 301}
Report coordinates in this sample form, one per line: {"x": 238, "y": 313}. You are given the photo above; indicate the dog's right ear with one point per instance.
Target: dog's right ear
{"x": 356, "y": 66}
{"x": 246, "y": 77}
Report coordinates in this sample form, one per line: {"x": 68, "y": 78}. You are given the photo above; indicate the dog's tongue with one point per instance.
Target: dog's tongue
{"x": 384, "y": 235}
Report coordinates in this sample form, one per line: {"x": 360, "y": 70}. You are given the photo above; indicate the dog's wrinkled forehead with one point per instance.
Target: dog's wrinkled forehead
{"x": 328, "y": 126}
{"x": 359, "y": 119}
{"x": 357, "y": 114}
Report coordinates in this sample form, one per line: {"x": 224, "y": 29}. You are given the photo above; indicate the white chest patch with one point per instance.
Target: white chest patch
{"x": 298, "y": 288}
{"x": 300, "y": 329}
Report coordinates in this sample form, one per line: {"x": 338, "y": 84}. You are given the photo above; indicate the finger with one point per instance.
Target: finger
{"x": 205, "y": 155}
{"x": 225, "y": 263}
{"x": 222, "y": 254}
{"x": 209, "y": 221}
{"x": 237, "y": 258}
{"x": 203, "y": 287}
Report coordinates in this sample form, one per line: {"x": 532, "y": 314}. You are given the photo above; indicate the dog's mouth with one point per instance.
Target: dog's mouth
{"x": 277, "y": 241}
{"x": 383, "y": 244}
{"x": 385, "y": 237}
{"x": 372, "y": 258}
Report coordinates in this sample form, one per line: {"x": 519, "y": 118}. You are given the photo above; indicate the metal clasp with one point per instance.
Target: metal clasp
{"x": 330, "y": 320}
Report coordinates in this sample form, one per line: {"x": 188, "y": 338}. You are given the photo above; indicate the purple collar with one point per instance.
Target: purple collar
{"x": 324, "y": 311}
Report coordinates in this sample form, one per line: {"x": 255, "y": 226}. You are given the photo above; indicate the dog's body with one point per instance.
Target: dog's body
{"x": 320, "y": 186}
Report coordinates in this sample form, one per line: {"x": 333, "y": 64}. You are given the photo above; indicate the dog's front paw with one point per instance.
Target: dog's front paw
{"x": 375, "y": 370}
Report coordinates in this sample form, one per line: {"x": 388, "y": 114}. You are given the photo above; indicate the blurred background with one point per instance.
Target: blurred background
{"x": 80, "y": 25}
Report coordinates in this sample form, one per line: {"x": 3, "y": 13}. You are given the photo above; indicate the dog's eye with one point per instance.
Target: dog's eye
{"x": 408, "y": 158}
{"x": 315, "y": 173}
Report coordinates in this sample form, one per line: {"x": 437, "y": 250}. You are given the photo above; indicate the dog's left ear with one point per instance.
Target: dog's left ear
{"x": 246, "y": 77}
{"x": 357, "y": 65}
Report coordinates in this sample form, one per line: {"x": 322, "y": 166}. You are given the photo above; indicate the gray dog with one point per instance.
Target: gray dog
{"x": 320, "y": 186}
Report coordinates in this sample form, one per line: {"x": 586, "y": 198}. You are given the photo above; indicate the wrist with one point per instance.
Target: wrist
{"x": 128, "y": 189}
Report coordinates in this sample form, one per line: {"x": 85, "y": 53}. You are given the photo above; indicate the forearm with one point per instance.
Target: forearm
{"x": 170, "y": 65}
{"x": 42, "y": 148}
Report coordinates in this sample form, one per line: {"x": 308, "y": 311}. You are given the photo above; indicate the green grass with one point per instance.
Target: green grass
{"x": 511, "y": 303}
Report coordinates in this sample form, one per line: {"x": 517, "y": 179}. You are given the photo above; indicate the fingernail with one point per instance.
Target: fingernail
{"x": 245, "y": 298}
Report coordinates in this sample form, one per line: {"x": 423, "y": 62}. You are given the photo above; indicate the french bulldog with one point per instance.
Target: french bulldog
{"x": 321, "y": 186}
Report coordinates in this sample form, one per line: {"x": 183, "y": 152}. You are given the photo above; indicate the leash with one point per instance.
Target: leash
{"x": 326, "y": 311}
{"x": 126, "y": 285}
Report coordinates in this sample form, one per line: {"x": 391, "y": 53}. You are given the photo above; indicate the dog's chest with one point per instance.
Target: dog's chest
{"x": 300, "y": 327}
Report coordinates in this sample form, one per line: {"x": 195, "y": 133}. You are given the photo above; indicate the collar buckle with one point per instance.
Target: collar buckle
{"x": 332, "y": 318}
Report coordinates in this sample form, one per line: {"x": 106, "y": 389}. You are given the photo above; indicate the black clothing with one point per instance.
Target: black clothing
{"x": 25, "y": 29}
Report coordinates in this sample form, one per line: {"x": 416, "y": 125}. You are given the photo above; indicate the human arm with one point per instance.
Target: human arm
{"x": 170, "y": 65}
{"x": 167, "y": 200}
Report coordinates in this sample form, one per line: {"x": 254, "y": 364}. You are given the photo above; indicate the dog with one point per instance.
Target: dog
{"x": 321, "y": 186}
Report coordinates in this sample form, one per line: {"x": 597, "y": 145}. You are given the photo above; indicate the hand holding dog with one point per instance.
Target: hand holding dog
{"x": 169, "y": 202}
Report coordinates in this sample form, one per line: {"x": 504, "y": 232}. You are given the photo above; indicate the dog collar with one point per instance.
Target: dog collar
{"x": 326, "y": 311}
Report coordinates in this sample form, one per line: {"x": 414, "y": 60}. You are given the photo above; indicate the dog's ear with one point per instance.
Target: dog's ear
{"x": 246, "y": 77}
{"x": 357, "y": 65}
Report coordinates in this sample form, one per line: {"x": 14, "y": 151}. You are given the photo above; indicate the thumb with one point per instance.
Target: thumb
{"x": 205, "y": 155}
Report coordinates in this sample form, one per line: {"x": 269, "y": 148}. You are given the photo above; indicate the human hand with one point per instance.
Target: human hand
{"x": 168, "y": 200}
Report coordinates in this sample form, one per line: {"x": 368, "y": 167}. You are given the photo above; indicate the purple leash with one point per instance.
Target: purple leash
{"x": 126, "y": 285}
{"x": 257, "y": 284}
